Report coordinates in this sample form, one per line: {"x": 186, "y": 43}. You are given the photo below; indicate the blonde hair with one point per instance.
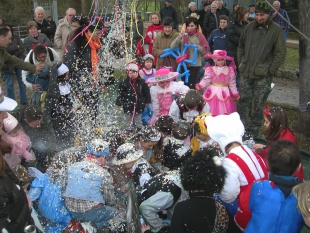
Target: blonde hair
{"x": 302, "y": 193}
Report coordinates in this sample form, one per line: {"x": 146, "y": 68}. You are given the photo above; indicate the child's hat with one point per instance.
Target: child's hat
{"x": 6, "y": 104}
{"x": 98, "y": 147}
{"x": 9, "y": 123}
{"x": 127, "y": 153}
{"x": 225, "y": 129}
{"x": 62, "y": 69}
{"x": 200, "y": 120}
{"x": 219, "y": 54}
{"x": 148, "y": 56}
{"x": 162, "y": 75}
{"x": 132, "y": 66}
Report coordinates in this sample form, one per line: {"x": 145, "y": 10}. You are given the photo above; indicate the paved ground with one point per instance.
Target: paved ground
{"x": 285, "y": 93}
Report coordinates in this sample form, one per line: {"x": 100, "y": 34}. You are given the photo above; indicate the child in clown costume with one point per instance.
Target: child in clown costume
{"x": 163, "y": 91}
{"x": 220, "y": 81}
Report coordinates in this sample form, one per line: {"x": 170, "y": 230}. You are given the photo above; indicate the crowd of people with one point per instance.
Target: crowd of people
{"x": 186, "y": 149}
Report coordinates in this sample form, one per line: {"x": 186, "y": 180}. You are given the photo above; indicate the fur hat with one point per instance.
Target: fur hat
{"x": 225, "y": 129}
{"x": 262, "y": 7}
{"x": 162, "y": 75}
{"x": 9, "y": 123}
{"x": 200, "y": 121}
{"x": 98, "y": 147}
{"x": 127, "y": 153}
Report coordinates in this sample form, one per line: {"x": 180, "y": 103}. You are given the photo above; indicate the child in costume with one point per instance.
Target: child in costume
{"x": 277, "y": 128}
{"x": 202, "y": 138}
{"x": 59, "y": 104}
{"x": 160, "y": 193}
{"x": 270, "y": 205}
{"x": 147, "y": 70}
{"x": 163, "y": 90}
{"x": 242, "y": 165}
{"x": 150, "y": 140}
{"x": 19, "y": 141}
{"x": 220, "y": 81}
{"x": 188, "y": 106}
{"x": 202, "y": 176}
{"x": 176, "y": 152}
{"x": 133, "y": 95}
{"x": 131, "y": 158}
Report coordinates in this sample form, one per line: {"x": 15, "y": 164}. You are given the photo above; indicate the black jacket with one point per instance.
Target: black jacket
{"x": 127, "y": 95}
{"x": 223, "y": 11}
{"x": 201, "y": 14}
{"x": 233, "y": 33}
{"x": 46, "y": 28}
{"x": 14, "y": 204}
{"x": 200, "y": 214}
{"x": 169, "y": 12}
{"x": 210, "y": 23}
{"x": 13, "y": 49}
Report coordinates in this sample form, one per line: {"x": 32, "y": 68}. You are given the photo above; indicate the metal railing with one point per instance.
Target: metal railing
{"x": 21, "y": 31}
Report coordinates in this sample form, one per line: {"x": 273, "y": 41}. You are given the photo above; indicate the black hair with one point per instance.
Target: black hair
{"x": 224, "y": 17}
{"x": 201, "y": 173}
{"x": 8, "y": 25}
{"x": 95, "y": 26}
{"x": 192, "y": 99}
{"x": 164, "y": 123}
{"x": 4, "y": 31}
{"x": 115, "y": 137}
{"x": 32, "y": 113}
{"x": 191, "y": 20}
{"x": 168, "y": 21}
{"x": 38, "y": 49}
{"x": 81, "y": 19}
{"x": 283, "y": 158}
{"x": 181, "y": 129}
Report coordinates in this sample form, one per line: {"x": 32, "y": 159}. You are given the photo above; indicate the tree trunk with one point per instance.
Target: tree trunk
{"x": 85, "y": 6}
{"x": 304, "y": 66}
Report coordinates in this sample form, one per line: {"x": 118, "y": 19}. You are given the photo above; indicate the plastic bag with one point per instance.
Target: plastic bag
{"x": 147, "y": 115}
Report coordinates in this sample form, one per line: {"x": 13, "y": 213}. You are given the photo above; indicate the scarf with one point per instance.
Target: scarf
{"x": 202, "y": 39}
{"x": 94, "y": 58}
{"x": 93, "y": 159}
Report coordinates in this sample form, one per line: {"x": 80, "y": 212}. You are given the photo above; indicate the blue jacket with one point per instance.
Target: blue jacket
{"x": 217, "y": 40}
{"x": 41, "y": 78}
{"x": 272, "y": 211}
{"x": 51, "y": 204}
{"x": 84, "y": 182}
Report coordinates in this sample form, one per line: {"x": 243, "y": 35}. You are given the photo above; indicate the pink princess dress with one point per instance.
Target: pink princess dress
{"x": 221, "y": 83}
{"x": 162, "y": 98}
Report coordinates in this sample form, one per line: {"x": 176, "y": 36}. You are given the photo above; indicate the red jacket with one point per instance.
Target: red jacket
{"x": 285, "y": 134}
{"x": 154, "y": 29}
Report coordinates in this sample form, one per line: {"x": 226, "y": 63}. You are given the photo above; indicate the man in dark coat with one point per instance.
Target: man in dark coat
{"x": 44, "y": 26}
{"x": 221, "y": 9}
{"x": 169, "y": 11}
{"x": 191, "y": 10}
{"x": 211, "y": 21}
{"x": 202, "y": 13}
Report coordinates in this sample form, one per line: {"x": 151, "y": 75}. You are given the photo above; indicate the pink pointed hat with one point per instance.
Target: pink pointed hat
{"x": 162, "y": 75}
{"x": 219, "y": 54}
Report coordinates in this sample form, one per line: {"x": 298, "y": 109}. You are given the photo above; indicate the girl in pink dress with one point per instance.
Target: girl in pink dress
{"x": 221, "y": 82}
{"x": 163, "y": 90}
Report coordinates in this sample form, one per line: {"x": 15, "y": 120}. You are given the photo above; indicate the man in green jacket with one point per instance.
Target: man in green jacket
{"x": 6, "y": 58}
{"x": 260, "y": 53}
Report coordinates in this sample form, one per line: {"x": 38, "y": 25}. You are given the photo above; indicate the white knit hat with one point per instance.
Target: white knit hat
{"x": 225, "y": 129}
{"x": 62, "y": 69}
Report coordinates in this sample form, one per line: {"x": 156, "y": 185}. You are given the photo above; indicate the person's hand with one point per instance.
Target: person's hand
{"x": 258, "y": 146}
{"x": 181, "y": 35}
{"x": 29, "y": 202}
{"x": 197, "y": 87}
{"x": 39, "y": 30}
{"x": 39, "y": 67}
{"x": 147, "y": 105}
{"x": 274, "y": 14}
{"x": 118, "y": 107}
{"x": 36, "y": 87}
{"x": 144, "y": 228}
